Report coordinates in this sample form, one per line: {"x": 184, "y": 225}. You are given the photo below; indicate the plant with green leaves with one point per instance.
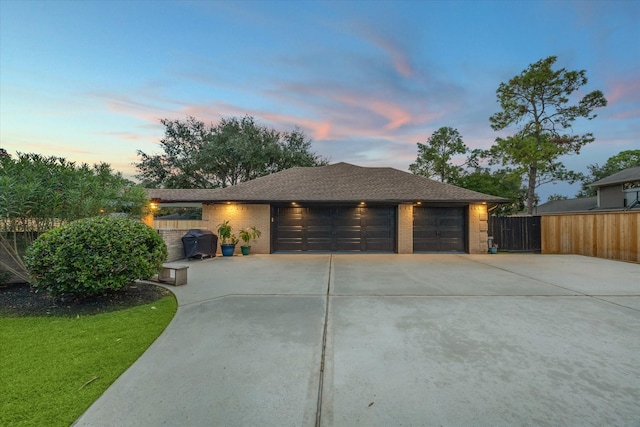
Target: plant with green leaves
{"x": 38, "y": 193}
{"x": 93, "y": 256}
{"x": 538, "y": 102}
{"x": 224, "y": 232}
{"x": 249, "y": 233}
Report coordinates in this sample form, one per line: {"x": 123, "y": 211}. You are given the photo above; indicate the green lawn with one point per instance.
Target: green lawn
{"x": 53, "y": 368}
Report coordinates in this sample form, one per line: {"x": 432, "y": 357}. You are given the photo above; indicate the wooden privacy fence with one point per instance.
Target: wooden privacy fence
{"x": 612, "y": 235}
{"x": 516, "y": 233}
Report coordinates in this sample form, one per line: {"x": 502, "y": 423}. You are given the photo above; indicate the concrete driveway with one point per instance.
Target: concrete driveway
{"x": 391, "y": 340}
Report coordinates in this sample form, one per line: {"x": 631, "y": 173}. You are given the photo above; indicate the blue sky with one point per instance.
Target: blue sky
{"x": 365, "y": 80}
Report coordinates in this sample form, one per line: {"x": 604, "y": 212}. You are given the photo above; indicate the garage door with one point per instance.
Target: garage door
{"x": 334, "y": 229}
{"x": 439, "y": 229}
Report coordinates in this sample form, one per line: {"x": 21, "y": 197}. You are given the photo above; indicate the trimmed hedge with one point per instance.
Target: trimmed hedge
{"x": 94, "y": 255}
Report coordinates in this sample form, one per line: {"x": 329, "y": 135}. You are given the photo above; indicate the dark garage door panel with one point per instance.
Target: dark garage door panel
{"x": 437, "y": 229}
{"x": 334, "y": 229}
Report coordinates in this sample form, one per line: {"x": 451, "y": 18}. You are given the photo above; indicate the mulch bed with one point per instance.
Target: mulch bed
{"x": 18, "y": 300}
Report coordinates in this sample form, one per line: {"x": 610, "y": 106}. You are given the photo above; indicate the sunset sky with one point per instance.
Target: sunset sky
{"x": 365, "y": 80}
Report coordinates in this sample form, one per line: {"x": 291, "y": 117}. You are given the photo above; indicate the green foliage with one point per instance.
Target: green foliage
{"x": 233, "y": 151}
{"x": 556, "y": 196}
{"x": 505, "y": 183}
{"x": 535, "y": 159}
{"x": 94, "y": 255}
{"x": 224, "y": 232}
{"x": 434, "y": 157}
{"x": 49, "y": 189}
{"x": 621, "y": 161}
{"x": 249, "y": 233}
{"x": 537, "y": 100}
{"x": 53, "y": 369}
{"x": 38, "y": 193}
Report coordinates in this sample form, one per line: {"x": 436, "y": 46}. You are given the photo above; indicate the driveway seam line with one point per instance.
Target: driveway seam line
{"x": 324, "y": 346}
{"x": 614, "y": 303}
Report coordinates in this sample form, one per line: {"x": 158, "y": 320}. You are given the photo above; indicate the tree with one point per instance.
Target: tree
{"x": 38, "y": 193}
{"x": 233, "y": 151}
{"x": 434, "y": 157}
{"x": 534, "y": 160}
{"x": 537, "y": 100}
{"x": 177, "y": 167}
{"x": 505, "y": 183}
{"x": 621, "y": 161}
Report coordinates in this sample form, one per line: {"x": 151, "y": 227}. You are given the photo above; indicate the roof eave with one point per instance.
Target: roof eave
{"x": 377, "y": 201}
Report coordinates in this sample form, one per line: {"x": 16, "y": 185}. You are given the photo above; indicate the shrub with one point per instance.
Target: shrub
{"x": 94, "y": 255}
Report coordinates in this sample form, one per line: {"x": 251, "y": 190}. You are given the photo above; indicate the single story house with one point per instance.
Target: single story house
{"x": 346, "y": 208}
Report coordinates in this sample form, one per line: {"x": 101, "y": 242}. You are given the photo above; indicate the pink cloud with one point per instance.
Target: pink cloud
{"x": 399, "y": 58}
{"x": 129, "y": 136}
{"x": 395, "y": 115}
{"x": 325, "y": 111}
{"x": 318, "y": 130}
{"x": 130, "y": 107}
{"x": 627, "y": 114}
{"x": 624, "y": 90}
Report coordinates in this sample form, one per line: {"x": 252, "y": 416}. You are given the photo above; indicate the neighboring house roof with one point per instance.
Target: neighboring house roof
{"x": 626, "y": 175}
{"x": 568, "y": 205}
{"x": 340, "y": 182}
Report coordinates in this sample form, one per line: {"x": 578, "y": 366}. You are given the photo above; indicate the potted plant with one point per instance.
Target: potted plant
{"x": 228, "y": 241}
{"x": 493, "y": 249}
{"x": 247, "y": 234}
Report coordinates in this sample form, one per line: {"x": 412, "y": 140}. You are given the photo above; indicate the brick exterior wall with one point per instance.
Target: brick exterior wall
{"x": 405, "y": 228}
{"x": 241, "y": 216}
{"x": 478, "y": 229}
{"x": 173, "y": 240}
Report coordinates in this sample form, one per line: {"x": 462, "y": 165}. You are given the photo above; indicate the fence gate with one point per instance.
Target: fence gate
{"x": 516, "y": 233}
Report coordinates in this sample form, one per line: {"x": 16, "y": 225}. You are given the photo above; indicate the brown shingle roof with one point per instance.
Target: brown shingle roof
{"x": 340, "y": 182}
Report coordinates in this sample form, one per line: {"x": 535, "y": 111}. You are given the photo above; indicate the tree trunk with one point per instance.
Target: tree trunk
{"x": 531, "y": 190}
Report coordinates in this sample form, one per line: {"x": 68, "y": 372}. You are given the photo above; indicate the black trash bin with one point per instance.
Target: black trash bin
{"x": 199, "y": 243}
